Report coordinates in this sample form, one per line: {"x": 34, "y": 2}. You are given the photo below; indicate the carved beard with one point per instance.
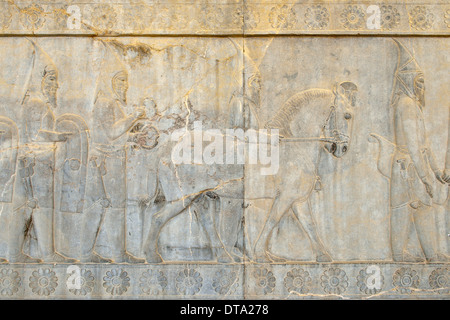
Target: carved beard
{"x": 419, "y": 90}
{"x": 120, "y": 85}
{"x": 254, "y": 89}
{"x": 50, "y": 94}
{"x": 49, "y": 86}
{"x": 123, "y": 96}
{"x": 253, "y": 96}
{"x": 121, "y": 93}
{"x": 420, "y": 95}
{"x": 256, "y": 98}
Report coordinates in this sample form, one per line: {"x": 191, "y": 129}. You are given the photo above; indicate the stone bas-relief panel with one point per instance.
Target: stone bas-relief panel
{"x": 171, "y": 167}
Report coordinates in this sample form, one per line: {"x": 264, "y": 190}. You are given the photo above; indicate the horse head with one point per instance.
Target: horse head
{"x": 338, "y": 125}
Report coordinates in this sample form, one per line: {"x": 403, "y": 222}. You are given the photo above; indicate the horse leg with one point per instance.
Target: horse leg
{"x": 207, "y": 220}
{"x": 228, "y": 219}
{"x": 159, "y": 220}
{"x": 303, "y": 213}
{"x": 280, "y": 206}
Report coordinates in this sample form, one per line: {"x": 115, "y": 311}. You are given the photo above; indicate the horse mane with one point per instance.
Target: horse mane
{"x": 291, "y": 107}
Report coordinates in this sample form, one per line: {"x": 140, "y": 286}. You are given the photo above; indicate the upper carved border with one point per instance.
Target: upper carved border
{"x": 206, "y": 18}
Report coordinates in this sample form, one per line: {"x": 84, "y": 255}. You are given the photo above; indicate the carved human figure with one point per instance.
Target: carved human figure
{"x": 142, "y": 185}
{"x": 108, "y": 155}
{"x": 446, "y": 174}
{"x": 442, "y": 220}
{"x": 244, "y": 110}
{"x": 9, "y": 140}
{"x": 245, "y": 101}
{"x": 414, "y": 169}
{"x": 34, "y": 188}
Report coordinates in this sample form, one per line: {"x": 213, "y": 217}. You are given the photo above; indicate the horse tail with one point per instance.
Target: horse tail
{"x": 291, "y": 107}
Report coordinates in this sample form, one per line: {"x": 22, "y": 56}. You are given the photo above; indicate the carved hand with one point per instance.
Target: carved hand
{"x": 446, "y": 176}
{"x": 63, "y": 136}
{"x": 428, "y": 185}
{"x": 139, "y": 113}
{"x": 105, "y": 202}
{"x": 32, "y": 203}
{"x": 438, "y": 174}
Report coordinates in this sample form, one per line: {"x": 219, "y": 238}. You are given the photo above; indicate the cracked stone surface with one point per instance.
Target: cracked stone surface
{"x": 236, "y": 149}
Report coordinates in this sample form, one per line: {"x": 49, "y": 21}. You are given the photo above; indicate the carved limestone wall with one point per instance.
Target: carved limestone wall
{"x": 226, "y": 149}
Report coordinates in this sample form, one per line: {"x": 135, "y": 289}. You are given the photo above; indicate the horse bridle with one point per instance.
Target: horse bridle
{"x": 337, "y": 137}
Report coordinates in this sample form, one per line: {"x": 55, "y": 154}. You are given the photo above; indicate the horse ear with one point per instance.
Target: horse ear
{"x": 335, "y": 88}
{"x": 348, "y": 89}
{"x": 349, "y": 86}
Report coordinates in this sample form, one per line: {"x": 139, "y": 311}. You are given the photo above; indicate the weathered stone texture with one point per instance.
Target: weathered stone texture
{"x": 228, "y": 149}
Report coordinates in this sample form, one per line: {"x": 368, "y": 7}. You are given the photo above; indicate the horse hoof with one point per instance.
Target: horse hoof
{"x": 412, "y": 259}
{"x": 95, "y": 258}
{"x": 129, "y": 258}
{"x": 262, "y": 259}
{"x": 225, "y": 259}
{"x": 237, "y": 259}
{"x": 222, "y": 256}
{"x": 443, "y": 258}
{"x": 324, "y": 257}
